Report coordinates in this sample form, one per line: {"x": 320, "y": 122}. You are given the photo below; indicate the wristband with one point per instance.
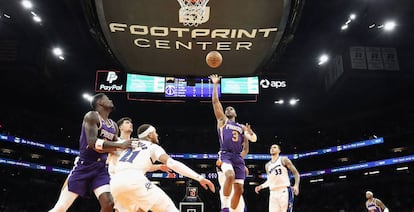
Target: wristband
{"x": 99, "y": 144}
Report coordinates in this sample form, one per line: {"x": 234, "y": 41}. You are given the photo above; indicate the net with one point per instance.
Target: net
{"x": 192, "y": 12}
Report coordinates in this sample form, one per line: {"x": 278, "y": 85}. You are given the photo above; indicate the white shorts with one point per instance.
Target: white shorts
{"x": 139, "y": 193}
{"x": 280, "y": 200}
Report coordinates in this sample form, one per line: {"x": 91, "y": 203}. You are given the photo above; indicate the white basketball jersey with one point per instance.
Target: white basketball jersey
{"x": 139, "y": 158}
{"x": 113, "y": 158}
{"x": 277, "y": 175}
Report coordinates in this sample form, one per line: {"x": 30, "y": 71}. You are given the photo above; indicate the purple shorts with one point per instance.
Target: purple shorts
{"x": 236, "y": 161}
{"x": 87, "y": 176}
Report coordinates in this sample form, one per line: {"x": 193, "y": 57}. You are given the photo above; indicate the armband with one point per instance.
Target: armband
{"x": 99, "y": 144}
{"x": 252, "y": 138}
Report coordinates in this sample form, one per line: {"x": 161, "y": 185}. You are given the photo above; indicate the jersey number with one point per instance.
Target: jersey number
{"x": 129, "y": 156}
{"x": 235, "y": 137}
{"x": 278, "y": 171}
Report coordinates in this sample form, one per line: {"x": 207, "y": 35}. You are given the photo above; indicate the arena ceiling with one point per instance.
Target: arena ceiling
{"x": 29, "y": 69}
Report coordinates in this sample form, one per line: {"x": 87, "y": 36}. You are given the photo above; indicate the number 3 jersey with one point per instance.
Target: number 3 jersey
{"x": 277, "y": 174}
{"x": 231, "y": 137}
{"x": 139, "y": 159}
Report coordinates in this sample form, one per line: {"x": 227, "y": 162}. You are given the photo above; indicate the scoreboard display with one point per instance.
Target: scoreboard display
{"x": 189, "y": 87}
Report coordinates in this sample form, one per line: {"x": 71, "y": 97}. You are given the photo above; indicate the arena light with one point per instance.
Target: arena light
{"x": 323, "y": 59}
{"x": 6, "y": 16}
{"x": 344, "y": 27}
{"x": 316, "y": 180}
{"x": 253, "y": 183}
{"x": 27, "y": 4}
{"x": 37, "y": 19}
{"x": 280, "y": 102}
{"x": 87, "y": 96}
{"x": 342, "y": 177}
{"x": 389, "y": 26}
{"x": 293, "y": 101}
{"x": 374, "y": 172}
{"x": 402, "y": 168}
{"x": 57, "y": 51}
{"x": 352, "y": 16}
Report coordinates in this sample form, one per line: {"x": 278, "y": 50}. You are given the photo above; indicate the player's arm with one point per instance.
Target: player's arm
{"x": 266, "y": 183}
{"x": 217, "y": 107}
{"x": 159, "y": 154}
{"x": 161, "y": 167}
{"x": 381, "y": 205}
{"x": 90, "y": 123}
{"x": 248, "y": 133}
{"x": 245, "y": 147}
{"x": 288, "y": 163}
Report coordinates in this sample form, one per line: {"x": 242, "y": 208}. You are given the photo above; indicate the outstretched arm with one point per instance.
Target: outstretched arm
{"x": 288, "y": 163}
{"x": 217, "y": 107}
{"x": 184, "y": 170}
{"x": 161, "y": 167}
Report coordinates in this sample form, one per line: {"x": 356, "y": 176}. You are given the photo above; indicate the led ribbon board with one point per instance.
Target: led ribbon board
{"x": 148, "y": 36}
{"x": 339, "y": 148}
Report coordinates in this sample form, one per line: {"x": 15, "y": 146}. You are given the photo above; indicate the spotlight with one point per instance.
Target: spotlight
{"x": 87, "y": 96}
{"x": 27, "y": 4}
{"x": 37, "y": 19}
{"x": 57, "y": 51}
{"x": 323, "y": 59}
{"x": 389, "y": 25}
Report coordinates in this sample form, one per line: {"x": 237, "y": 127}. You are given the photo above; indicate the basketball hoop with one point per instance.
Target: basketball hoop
{"x": 193, "y": 12}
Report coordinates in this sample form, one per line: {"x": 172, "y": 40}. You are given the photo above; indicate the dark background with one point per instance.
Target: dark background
{"x": 41, "y": 99}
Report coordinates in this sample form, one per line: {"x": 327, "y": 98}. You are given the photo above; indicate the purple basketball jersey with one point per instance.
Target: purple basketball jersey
{"x": 231, "y": 140}
{"x": 231, "y": 137}
{"x": 106, "y": 132}
{"x": 90, "y": 170}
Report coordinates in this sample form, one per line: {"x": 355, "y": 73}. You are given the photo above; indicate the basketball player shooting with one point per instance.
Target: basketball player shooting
{"x": 231, "y": 136}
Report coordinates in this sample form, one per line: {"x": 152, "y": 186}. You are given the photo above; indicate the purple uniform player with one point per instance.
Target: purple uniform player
{"x": 90, "y": 172}
{"x": 231, "y": 136}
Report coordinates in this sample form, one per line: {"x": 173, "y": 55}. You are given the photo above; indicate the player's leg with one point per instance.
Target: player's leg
{"x": 100, "y": 186}
{"x": 240, "y": 176}
{"x": 164, "y": 202}
{"x": 66, "y": 199}
{"x": 105, "y": 198}
{"x": 228, "y": 184}
{"x": 273, "y": 202}
{"x": 241, "y": 206}
{"x": 283, "y": 199}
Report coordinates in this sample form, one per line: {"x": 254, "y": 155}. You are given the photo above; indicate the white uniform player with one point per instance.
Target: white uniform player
{"x": 129, "y": 185}
{"x": 281, "y": 196}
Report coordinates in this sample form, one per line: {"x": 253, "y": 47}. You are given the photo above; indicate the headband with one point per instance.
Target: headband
{"x": 146, "y": 132}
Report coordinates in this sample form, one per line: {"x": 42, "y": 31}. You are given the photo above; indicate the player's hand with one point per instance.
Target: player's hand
{"x": 215, "y": 78}
{"x": 249, "y": 128}
{"x": 295, "y": 190}
{"x": 207, "y": 184}
{"x": 257, "y": 189}
{"x": 164, "y": 168}
{"x": 126, "y": 144}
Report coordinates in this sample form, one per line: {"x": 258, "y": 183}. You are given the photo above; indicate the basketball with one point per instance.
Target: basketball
{"x": 214, "y": 59}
